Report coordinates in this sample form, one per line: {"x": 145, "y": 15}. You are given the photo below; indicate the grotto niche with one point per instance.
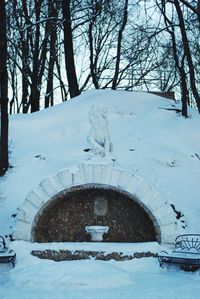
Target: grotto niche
{"x": 64, "y": 217}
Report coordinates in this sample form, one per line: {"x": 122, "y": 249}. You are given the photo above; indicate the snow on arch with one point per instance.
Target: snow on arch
{"x": 101, "y": 172}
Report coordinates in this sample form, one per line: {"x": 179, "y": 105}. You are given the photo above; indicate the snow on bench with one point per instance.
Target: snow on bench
{"x": 185, "y": 252}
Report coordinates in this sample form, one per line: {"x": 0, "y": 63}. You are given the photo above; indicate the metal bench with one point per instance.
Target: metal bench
{"x": 185, "y": 252}
{"x": 6, "y": 255}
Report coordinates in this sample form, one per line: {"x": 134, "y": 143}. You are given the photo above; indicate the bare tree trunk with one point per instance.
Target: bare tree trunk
{"x": 3, "y": 92}
{"x": 119, "y": 44}
{"x": 188, "y": 54}
{"x": 35, "y": 93}
{"x": 39, "y": 58}
{"x": 49, "y": 100}
{"x": 93, "y": 60}
{"x": 62, "y": 85}
{"x": 179, "y": 66}
{"x": 92, "y": 65}
{"x": 69, "y": 52}
{"x": 25, "y": 63}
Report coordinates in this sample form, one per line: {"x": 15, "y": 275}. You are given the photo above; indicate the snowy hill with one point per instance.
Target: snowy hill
{"x": 150, "y": 141}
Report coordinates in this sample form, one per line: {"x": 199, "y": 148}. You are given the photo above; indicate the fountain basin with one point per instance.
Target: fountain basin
{"x": 96, "y": 232}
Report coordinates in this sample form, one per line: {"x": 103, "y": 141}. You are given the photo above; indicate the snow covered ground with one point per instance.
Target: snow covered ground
{"x": 33, "y": 278}
{"x": 150, "y": 141}
{"x": 156, "y": 144}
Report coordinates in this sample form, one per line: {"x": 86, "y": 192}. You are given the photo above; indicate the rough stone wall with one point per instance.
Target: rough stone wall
{"x": 65, "y": 218}
{"x": 67, "y": 255}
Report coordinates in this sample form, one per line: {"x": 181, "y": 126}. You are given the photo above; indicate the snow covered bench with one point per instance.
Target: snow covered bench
{"x": 6, "y": 256}
{"x": 185, "y": 252}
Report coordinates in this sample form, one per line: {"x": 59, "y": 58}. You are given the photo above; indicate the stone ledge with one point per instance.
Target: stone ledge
{"x": 67, "y": 255}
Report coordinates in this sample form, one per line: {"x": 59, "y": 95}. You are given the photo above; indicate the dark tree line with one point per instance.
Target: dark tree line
{"x": 102, "y": 44}
{"x": 58, "y": 48}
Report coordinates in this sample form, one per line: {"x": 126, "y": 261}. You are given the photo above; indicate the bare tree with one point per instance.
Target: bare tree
{"x": 179, "y": 58}
{"x": 188, "y": 54}
{"x": 32, "y": 36}
{"x": 69, "y": 51}
{"x": 3, "y": 92}
{"x": 119, "y": 43}
{"x": 105, "y": 44}
{"x": 53, "y": 14}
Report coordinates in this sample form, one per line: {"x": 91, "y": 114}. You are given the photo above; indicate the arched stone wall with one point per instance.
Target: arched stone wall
{"x": 101, "y": 172}
{"x": 64, "y": 217}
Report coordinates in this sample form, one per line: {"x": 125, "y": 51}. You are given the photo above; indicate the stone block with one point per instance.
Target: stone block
{"x": 39, "y": 190}
{"x": 165, "y": 215}
{"x": 87, "y": 172}
{"x": 107, "y": 173}
{"x": 66, "y": 178}
{"x": 48, "y": 186}
{"x": 57, "y": 182}
{"x": 22, "y": 231}
{"x": 156, "y": 201}
{"x": 115, "y": 177}
{"x": 98, "y": 174}
{"x": 35, "y": 199}
{"x": 76, "y": 179}
{"x": 168, "y": 239}
{"x": 170, "y": 229}
{"x": 142, "y": 188}
{"x": 133, "y": 183}
{"x": 124, "y": 180}
{"x": 147, "y": 198}
{"x": 29, "y": 210}
{"x": 23, "y": 216}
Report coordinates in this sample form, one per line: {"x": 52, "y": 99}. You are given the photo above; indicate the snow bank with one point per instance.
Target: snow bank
{"x": 150, "y": 141}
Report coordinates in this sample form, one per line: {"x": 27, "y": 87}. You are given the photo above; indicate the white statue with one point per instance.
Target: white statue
{"x": 99, "y": 138}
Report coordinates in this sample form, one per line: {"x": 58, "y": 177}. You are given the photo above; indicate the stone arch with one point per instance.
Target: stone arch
{"x": 102, "y": 173}
{"x": 126, "y": 216}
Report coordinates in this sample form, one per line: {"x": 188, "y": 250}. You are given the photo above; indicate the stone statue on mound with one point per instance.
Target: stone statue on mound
{"x": 99, "y": 138}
